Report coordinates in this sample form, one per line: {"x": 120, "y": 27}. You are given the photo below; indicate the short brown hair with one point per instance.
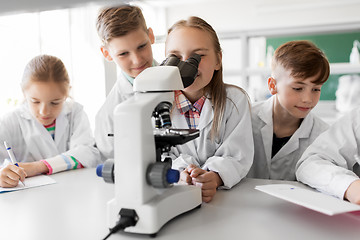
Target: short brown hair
{"x": 118, "y": 21}
{"x": 304, "y": 59}
{"x": 46, "y": 68}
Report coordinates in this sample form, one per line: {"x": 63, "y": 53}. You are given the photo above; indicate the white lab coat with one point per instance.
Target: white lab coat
{"x": 231, "y": 154}
{"x": 104, "y": 120}
{"x": 282, "y": 165}
{"x": 31, "y": 141}
{"x": 329, "y": 164}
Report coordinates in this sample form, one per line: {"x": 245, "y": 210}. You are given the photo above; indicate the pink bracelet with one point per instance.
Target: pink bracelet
{"x": 48, "y": 166}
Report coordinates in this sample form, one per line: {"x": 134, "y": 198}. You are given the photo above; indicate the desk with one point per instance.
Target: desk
{"x": 74, "y": 208}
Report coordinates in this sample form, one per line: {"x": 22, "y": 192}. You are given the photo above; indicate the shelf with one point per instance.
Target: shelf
{"x": 335, "y": 68}
{"x": 344, "y": 68}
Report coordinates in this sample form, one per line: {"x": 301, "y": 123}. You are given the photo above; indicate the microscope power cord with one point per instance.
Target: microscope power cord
{"x": 124, "y": 222}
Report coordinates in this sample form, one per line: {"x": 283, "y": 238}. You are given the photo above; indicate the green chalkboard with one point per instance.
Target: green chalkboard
{"x": 337, "y": 48}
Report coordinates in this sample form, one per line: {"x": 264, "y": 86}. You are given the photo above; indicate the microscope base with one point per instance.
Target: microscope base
{"x": 158, "y": 211}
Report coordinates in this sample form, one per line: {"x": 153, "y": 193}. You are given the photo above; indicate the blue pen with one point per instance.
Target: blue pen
{"x": 11, "y": 155}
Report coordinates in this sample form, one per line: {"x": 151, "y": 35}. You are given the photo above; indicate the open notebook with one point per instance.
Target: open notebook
{"x": 309, "y": 198}
{"x": 31, "y": 182}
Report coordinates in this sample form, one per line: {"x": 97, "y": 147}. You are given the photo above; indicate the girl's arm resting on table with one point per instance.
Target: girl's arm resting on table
{"x": 61, "y": 163}
{"x": 50, "y": 165}
{"x": 34, "y": 168}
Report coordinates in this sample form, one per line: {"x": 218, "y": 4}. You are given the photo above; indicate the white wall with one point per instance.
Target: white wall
{"x": 223, "y": 15}
{"x": 243, "y": 15}
{"x": 19, "y": 6}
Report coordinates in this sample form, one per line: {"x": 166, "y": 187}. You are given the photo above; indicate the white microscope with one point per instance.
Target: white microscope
{"x": 145, "y": 197}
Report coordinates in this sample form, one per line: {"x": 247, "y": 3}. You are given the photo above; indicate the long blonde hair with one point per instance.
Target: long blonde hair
{"x": 216, "y": 89}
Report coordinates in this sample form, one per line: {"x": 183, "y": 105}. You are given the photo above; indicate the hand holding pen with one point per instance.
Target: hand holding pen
{"x": 11, "y": 174}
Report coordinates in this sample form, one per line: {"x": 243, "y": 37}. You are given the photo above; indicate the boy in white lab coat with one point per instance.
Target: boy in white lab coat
{"x": 283, "y": 126}
{"x": 332, "y": 163}
{"x": 126, "y": 40}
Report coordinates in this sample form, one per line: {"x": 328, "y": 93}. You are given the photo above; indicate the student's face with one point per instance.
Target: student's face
{"x": 184, "y": 41}
{"x": 132, "y": 52}
{"x": 294, "y": 97}
{"x": 45, "y": 100}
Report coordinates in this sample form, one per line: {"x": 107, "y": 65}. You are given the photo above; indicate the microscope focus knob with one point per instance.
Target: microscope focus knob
{"x": 106, "y": 171}
{"x": 160, "y": 175}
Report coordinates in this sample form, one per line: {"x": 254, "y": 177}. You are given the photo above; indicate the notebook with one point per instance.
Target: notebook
{"x": 308, "y": 198}
{"x": 31, "y": 182}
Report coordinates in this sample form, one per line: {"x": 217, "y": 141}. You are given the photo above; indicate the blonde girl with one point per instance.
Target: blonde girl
{"x": 223, "y": 153}
{"x": 48, "y": 133}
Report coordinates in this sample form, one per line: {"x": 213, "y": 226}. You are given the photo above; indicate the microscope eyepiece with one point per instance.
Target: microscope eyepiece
{"x": 194, "y": 60}
{"x": 188, "y": 69}
{"x": 171, "y": 60}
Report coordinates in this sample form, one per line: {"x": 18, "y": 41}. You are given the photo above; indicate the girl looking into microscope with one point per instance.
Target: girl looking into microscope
{"x": 48, "y": 133}
{"x": 222, "y": 155}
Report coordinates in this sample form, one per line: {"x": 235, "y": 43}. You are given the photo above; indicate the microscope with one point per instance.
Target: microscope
{"x": 146, "y": 197}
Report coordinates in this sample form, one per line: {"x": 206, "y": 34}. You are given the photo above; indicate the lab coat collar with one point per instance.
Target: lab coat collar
{"x": 206, "y": 117}
{"x": 37, "y": 129}
{"x": 303, "y": 131}
{"x": 178, "y": 120}
{"x": 207, "y": 114}
{"x": 62, "y": 121}
{"x": 266, "y": 115}
{"x": 123, "y": 85}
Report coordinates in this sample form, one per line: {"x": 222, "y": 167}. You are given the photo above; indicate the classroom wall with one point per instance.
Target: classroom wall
{"x": 231, "y": 16}
{"x": 235, "y": 15}
{"x": 20, "y": 6}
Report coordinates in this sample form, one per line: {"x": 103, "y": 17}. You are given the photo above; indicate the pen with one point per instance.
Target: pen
{"x": 12, "y": 156}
